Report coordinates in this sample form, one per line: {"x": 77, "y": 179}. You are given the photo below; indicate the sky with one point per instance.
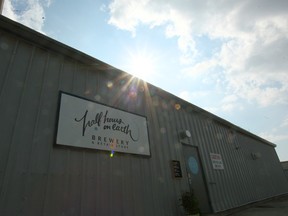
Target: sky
{"x": 229, "y": 57}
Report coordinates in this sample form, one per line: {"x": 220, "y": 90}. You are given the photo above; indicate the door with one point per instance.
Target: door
{"x": 196, "y": 177}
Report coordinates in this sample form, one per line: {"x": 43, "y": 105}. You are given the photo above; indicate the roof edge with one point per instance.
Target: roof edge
{"x": 46, "y": 42}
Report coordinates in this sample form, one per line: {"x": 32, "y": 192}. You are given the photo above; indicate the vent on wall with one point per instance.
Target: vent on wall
{"x": 185, "y": 134}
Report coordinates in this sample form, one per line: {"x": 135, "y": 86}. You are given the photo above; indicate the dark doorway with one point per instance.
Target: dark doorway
{"x": 196, "y": 177}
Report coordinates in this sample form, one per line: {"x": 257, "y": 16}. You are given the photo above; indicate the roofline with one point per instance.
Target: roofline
{"x": 56, "y": 46}
{"x": 48, "y": 43}
{"x": 218, "y": 119}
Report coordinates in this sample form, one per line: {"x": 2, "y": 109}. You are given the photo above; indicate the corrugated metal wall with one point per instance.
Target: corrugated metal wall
{"x": 39, "y": 178}
{"x": 285, "y": 168}
{"x": 243, "y": 180}
{"x": 286, "y": 173}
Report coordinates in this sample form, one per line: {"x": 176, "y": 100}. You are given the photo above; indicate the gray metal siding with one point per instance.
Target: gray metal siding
{"x": 285, "y": 168}
{"x": 39, "y": 178}
{"x": 286, "y": 173}
{"x": 243, "y": 179}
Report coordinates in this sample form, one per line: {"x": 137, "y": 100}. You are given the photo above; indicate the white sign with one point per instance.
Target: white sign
{"x": 217, "y": 162}
{"x": 87, "y": 124}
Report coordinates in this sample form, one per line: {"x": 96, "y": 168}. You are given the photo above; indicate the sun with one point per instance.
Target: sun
{"x": 141, "y": 64}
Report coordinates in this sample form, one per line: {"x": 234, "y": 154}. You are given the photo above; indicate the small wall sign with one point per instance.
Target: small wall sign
{"x": 176, "y": 169}
{"x": 217, "y": 162}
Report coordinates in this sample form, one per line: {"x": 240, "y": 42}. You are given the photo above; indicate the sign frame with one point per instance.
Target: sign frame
{"x": 120, "y": 134}
{"x": 217, "y": 161}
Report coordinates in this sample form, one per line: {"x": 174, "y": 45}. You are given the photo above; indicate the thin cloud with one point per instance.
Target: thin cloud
{"x": 188, "y": 96}
{"x": 278, "y": 134}
{"x": 253, "y": 56}
{"x": 229, "y": 103}
{"x": 30, "y": 13}
{"x": 284, "y": 123}
{"x": 274, "y": 137}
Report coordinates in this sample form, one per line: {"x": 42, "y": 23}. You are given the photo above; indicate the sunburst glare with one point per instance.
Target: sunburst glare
{"x": 141, "y": 64}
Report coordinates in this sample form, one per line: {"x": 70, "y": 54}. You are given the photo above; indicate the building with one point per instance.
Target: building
{"x": 285, "y": 167}
{"x": 80, "y": 137}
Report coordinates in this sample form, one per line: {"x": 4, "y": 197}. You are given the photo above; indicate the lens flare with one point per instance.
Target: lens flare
{"x": 109, "y": 84}
{"x": 112, "y": 154}
{"x": 177, "y": 106}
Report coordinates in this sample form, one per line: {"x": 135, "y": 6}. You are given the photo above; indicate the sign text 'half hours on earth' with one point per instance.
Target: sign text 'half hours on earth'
{"x": 87, "y": 124}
